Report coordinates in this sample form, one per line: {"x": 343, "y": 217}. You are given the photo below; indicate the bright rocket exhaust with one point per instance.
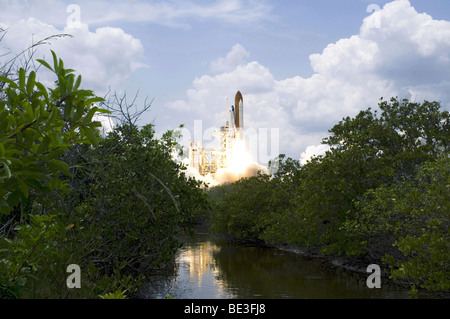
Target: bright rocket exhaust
{"x": 232, "y": 161}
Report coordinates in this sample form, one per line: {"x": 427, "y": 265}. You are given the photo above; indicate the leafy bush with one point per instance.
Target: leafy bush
{"x": 139, "y": 201}
{"x": 241, "y": 210}
{"x": 113, "y": 206}
{"x": 366, "y": 153}
{"x": 37, "y": 126}
{"x": 413, "y": 217}
{"x": 407, "y": 225}
{"x": 249, "y": 208}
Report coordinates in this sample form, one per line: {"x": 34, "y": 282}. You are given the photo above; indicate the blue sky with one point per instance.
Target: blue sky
{"x": 300, "y": 65}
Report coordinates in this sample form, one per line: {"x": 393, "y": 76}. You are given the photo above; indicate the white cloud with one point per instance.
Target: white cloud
{"x": 406, "y": 55}
{"x": 234, "y": 58}
{"x": 175, "y": 13}
{"x": 105, "y": 57}
{"x": 169, "y": 13}
{"x": 313, "y": 151}
{"x": 209, "y": 93}
{"x": 206, "y": 100}
{"x": 107, "y": 124}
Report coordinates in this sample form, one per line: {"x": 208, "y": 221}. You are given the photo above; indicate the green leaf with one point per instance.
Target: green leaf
{"x": 2, "y": 150}
{"x": 91, "y": 134}
{"x": 29, "y": 114}
{"x": 77, "y": 83}
{"x": 31, "y": 82}
{"x": 11, "y": 83}
{"x": 6, "y": 168}
{"x": 53, "y": 114}
{"x": 55, "y": 62}
{"x": 84, "y": 93}
{"x": 23, "y": 187}
{"x": 30, "y": 173}
{"x": 22, "y": 79}
{"x": 44, "y": 145}
{"x": 61, "y": 65}
{"x": 42, "y": 90}
{"x": 103, "y": 111}
{"x": 70, "y": 83}
{"x": 44, "y": 63}
{"x": 62, "y": 86}
{"x": 61, "y": 166}
{"x": 56, "y": 153}
{"x": 93, "y": 99}
{"x": 90, "y": 115}
{"x": 79, "y": 111}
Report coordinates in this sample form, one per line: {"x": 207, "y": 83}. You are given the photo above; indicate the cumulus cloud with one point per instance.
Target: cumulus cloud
{"x": 107, "y": 124}
{"x": 105, "y": 57}
{"x": 313, "y": 151}
{"x": 397, "y": 52}
{"x": 234, "y": 58}
{"x": 207, "y": 99}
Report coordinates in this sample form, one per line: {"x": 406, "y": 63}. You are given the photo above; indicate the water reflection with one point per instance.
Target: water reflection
{"x": 254, "y": 272}
{"x": 198, "y": 273}
{"x": 208, "y": 269}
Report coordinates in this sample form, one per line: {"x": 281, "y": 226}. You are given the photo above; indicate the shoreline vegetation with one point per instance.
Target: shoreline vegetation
{"x": 115, "y": 205}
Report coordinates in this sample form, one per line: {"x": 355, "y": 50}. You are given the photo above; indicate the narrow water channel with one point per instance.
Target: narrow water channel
{"x": 211, "y": 269}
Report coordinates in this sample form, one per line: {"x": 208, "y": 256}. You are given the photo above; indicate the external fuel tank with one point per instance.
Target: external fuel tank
{"x": 239, "y": 113}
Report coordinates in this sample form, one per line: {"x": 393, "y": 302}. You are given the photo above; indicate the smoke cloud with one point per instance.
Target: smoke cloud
{"x": 226, "y": 175}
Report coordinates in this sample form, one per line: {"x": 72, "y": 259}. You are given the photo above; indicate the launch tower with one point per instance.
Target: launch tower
{"x": 208, "y": 161}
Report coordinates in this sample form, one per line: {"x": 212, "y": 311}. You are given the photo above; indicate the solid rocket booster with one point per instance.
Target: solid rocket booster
{"x": 239, "y": 113}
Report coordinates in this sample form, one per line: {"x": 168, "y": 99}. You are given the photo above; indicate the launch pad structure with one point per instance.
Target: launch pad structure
{"x": 208, "y": 160}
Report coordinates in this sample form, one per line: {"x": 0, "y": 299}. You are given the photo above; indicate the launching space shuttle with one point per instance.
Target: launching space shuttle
{"x": 237, "y": 112}
{"x": 208, "y": 161}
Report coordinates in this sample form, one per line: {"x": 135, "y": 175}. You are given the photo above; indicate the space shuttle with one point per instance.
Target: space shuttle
{"x": 238, "y": 114}
{"x": 208, "y": 161}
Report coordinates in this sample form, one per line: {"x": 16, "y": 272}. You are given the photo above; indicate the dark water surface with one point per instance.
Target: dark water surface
{"x": 211, "y": 269}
